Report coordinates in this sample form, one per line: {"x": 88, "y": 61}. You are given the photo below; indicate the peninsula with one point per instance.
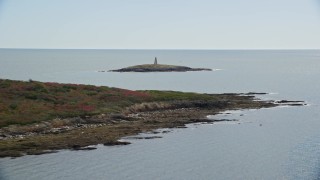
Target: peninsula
{"x": 155, "y": 67}
{"x": 37, "y": 117}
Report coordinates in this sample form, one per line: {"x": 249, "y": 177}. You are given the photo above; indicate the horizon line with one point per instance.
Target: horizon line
{"x": 234, "y": 49}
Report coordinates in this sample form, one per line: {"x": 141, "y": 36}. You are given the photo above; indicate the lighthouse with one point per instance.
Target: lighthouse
{"x": 155, "y": 61}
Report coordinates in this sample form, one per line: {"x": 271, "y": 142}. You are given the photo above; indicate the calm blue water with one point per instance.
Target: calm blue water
{"x": 277, "y": 143}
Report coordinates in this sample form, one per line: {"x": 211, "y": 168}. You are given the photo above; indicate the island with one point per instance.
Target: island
{"x": 43, "y": 117}
{"x": 155, "y": 67}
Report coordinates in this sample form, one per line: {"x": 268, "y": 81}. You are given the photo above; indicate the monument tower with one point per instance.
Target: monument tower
{"x": 155, "y": 61}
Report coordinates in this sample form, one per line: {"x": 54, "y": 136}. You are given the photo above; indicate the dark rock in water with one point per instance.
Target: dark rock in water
{"x": 200, "y": 120}
{"x": 181, "y": 127}
{"x": 297, "y": 104}
{"x": 135, "y": 138}
{"x": 154, "y": 132}
{"x": 152, "y": 137}
{"x": 165, "y": 132}
{"x": 291, "y": 103}
{"x": 223, "y": 120}
{"x": 286, "y": 101}
{"x": 255, "y": 93}
{"x": 45, "y": 152}
{"x": 114, "y": 143}
{"x": 147, "y": 137}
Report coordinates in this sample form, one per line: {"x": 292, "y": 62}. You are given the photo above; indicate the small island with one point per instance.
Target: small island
{"x": 155, "y": 67}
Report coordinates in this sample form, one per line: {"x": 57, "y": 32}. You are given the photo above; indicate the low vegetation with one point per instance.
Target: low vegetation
{"x": 36, "y": 117}
{"x": 30, "y": 102}
{"x": 154, "y": 66}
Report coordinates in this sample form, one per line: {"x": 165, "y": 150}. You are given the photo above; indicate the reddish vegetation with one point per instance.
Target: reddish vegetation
{"x": 28, "y": 102}
{"x": 87, "y": 108}
{"x": 134, "y": 93}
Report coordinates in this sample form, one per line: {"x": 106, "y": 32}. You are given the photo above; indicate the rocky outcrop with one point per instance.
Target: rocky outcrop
{"x": 158, "y": 68}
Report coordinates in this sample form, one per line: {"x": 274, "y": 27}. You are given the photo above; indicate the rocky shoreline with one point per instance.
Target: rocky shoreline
{"x": 78, "y": 133}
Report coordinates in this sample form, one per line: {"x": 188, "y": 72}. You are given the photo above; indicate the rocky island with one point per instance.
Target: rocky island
{"x": 155, "y": 67}
{"x": 37, "y": 117}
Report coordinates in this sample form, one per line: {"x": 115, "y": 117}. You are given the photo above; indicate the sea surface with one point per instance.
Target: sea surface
{"x": 276, "y": 143}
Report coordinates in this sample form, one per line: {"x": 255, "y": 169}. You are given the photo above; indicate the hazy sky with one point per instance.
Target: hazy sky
{"x": 160, "y": 24}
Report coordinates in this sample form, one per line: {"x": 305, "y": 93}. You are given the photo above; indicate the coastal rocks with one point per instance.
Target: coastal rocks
{"x": 224, "y": 120}
{"x": 165, "y": 131}
{"x": 254, "y": 93}
{"x": 114, "y": 143}
{"x": 182, "y": 105}
{"x": 44, "y": 152}
{"x": 146, "y": 137}
{"x": 290, "y": 103}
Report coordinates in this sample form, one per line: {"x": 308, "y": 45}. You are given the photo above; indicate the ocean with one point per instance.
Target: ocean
{"x": 275, "y": 143}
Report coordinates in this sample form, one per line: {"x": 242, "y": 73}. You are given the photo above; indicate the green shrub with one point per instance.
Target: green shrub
{"x": 5, "y": 84}
{"x": 32, "y": 96}
{"x": 13, "y": 106}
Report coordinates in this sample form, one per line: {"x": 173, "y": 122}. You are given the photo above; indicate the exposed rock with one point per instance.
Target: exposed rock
{"x": 147, "y": 137}
{"x": 153, "y": 137}
{"x": 286, "y": 101}
{"x": 291, "y": 103}
{"x": 44, "y": 152}
{"x": 114, "y": 143}
{"x": 255, "y": 93}
{"x": 165, "y": 132}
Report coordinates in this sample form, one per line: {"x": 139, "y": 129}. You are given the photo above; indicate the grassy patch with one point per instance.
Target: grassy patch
{"x": 154, "y": 66}
{"x": 32, "y": 101}
{"x": 29, "y": 102}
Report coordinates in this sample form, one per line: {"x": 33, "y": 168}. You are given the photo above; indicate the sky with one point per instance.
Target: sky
{"x": 160, "y": 24}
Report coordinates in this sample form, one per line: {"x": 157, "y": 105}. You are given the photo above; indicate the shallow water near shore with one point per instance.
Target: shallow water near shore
{"x": 276, "y": 143}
